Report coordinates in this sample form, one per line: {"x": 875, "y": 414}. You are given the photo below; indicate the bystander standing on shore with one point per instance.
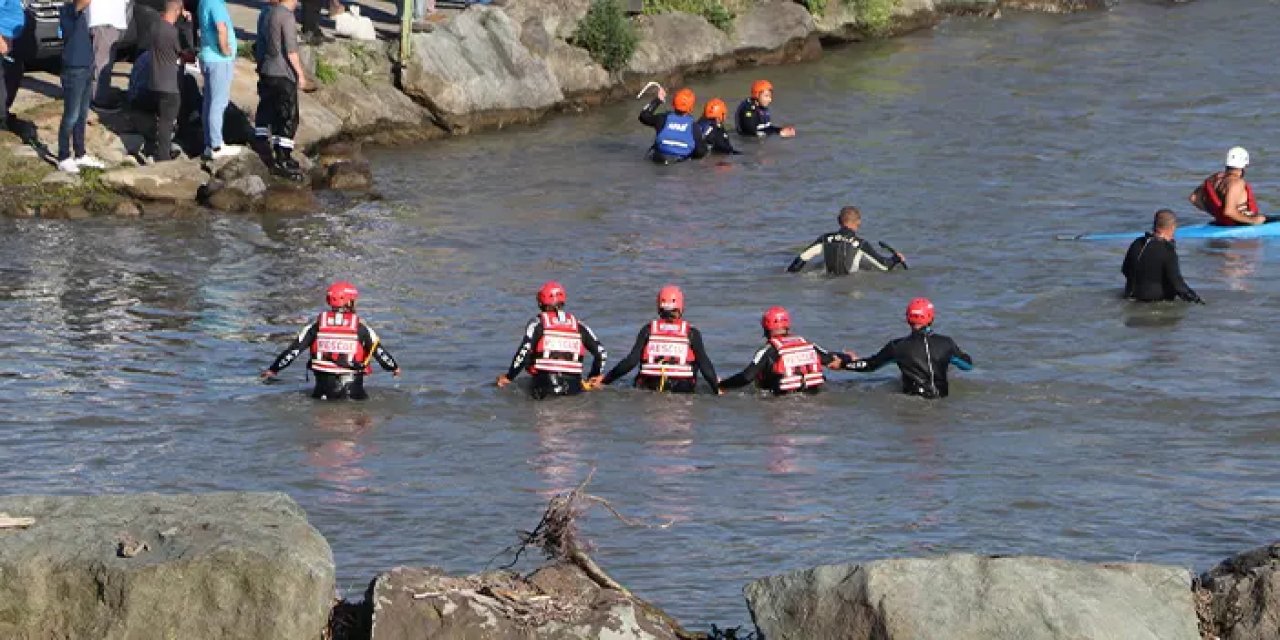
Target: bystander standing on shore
{"x": 13, "y": 20}
{"x": 166, "y": 54}
{"x": 77, "y": 87}
{"x": 108, "y": 21}
{"x": 218, "y": 62}
{"x": 280, "y": 77}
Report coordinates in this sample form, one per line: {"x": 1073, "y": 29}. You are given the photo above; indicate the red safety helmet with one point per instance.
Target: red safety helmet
{"x": 760, "y": 86}
{"x": 775, "y": 319}
{"x": 671, "y": 298}
{"x": 551, "y": 294}
{"x": 684, "y": 100}
{"x": 716, "y": 110}
{"x": 920, "y": 313}
{"x": 341, "y": 294}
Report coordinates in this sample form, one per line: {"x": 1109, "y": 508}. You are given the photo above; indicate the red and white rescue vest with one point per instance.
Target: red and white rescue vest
{"x": 1214, "y": 202}
{"x": 798, "y": 365}
{"x": 560, "y": 350}
{"x": 668, "y": 354}
{"x": 337, "y": 347}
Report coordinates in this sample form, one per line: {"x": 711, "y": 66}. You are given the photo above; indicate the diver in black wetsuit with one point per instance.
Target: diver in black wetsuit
{"x": 753, "y": 118}
{"x": 786, "y": 363}
{"x": 923, "y": 357}
{"x": 669, "y": 351}
{"x": 843, "y": 251}
{"x": 552, "y": 349}
{"x": 712, "y": 127}
{"x": 1150, "y": 267}
{"x": 341, "y": 346}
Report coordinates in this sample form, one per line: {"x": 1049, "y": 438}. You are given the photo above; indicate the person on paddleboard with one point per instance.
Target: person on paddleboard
{"x": 844, "y": 252}
{"x": 712, "y": 127}
{"x": 1226, "y": 196}
{"x": 753, "y": 117}
{"x": 923, "y": 356}
{"x": 678, "y": 138}
{"x": 553, "y": 348}
{"x": 1150, "y": 268}
{"x": 786, "y": 363}
{"x": 669, "y": 351}
{"x": 342, "y": 348}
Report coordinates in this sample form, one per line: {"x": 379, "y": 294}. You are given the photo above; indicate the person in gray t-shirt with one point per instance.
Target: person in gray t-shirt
{"x": 166, "y": 64}
{"x": 280, "y": 76}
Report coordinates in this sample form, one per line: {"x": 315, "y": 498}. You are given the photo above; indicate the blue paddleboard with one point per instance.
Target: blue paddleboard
{"x": 1194, "y": 231}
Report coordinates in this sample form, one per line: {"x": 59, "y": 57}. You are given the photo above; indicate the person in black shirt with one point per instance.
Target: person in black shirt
{"x": 923, "y": 356}
{"x": 166, "y": 59}
{"x": 786, "y": 363}
{"x": 553, "y": 347}
{"x": 1151, "y": 266}
{"x": 843, "y": 251}
{"x": 712, "y": 127}
{"x": 669, "y": 351}
{"x": 753, "y": 116}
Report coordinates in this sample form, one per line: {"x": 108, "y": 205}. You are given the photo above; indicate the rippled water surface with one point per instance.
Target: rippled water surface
{"x": 1091, "y": 428}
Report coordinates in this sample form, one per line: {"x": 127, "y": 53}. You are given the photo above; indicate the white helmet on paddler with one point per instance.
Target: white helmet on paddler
{"x": 1237, "y": 158}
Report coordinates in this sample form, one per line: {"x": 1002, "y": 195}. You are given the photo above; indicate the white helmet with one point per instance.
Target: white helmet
{"x": 1237, "y": 158}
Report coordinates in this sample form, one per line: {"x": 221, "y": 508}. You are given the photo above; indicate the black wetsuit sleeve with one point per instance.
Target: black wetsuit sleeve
{"x": 827, "y": 357}
{"x": 879, "y": 260}
{"x": 373, "y": 346}
{"x": 959, "y": 358}
{"x": 650, "y": 117}
{"x": 628, "y": 363}
{"x": 593, "y": 345}
{"x": 719, "y": 141}
{"x": 290, "y": 353}
{"x": 1173, "y": 278}
{"x": 700, "y": 149}
{"x": 532, "y": 334}
{"x": 880, "y": 359}
{"x": 810, "y": 252}
{"x": 762, "y": 360}
{"x": 1130, "y": 265}
{"x": 707, "y": 369}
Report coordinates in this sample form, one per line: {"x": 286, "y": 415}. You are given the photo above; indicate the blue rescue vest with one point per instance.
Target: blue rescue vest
{"x": 676, "y": 136}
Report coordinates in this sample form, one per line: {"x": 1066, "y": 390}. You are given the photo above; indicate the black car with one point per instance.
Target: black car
{"x": 42, "y": 17}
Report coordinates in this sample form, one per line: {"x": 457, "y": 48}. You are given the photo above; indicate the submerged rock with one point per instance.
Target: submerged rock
{"x": 967, "y": 597}
{"x": 1245, "y": 593}
{"x": 242, "y": 565}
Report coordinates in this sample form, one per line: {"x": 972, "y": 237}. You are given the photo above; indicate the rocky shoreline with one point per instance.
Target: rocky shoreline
{"x": 485, "y": 68}
{"x": 249, "y": 565}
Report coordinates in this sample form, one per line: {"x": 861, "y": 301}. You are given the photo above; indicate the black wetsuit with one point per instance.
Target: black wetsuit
{"x": 754, "y": 120}
{"x": 686, "y": 385}
{"x": 548, "y": 383}
{"x": 761, "y": 371}
{"x": 331, "y": 386}
{"x": 844, "y": 253}
{"x": 651, "y": 118}
{"x": 1151, "y": 272}
{"x": 923, "y": 358}
{"x": 716, "y": 137}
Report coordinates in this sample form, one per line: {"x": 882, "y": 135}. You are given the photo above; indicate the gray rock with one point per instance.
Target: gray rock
{"x": 251, "y": 186}
{"x": 1246, "y": 595}
{"x": 558, "y": 602}
{"x": 673, "y": 41}
{"x": 474, "y": 71}
{"x": 244, "y": 565}
{"x": 575, "y": 71}
{"x": 967, "y": 597}
{"x": 362, "y": 105}
{"x": 559, "y": 18}
{"x": 171, "y": 181}
{"x": 288, "y": 199}
{"x": 60, "y": 178}
{"x": 349, "y": 176}
{"x": 246, "y": 163}
{"x": 772, "y": 25}
{"x": 841, "y": 21}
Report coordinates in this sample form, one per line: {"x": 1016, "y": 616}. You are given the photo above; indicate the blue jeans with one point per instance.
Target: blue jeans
{"x": 217, "y": 94}
{"x": 77, "y": 85}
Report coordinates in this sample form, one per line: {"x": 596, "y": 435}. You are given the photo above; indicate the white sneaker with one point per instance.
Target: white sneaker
{"x": 90, "y": 162}
{"x": 227, "y": 151}
{"x": 69, "y": 166}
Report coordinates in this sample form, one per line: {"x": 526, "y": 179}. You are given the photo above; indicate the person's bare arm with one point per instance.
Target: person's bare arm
{"x": 224, "y": 42}
{"x": 1197, "y": 198}
{"x": 1236, "y": 203}
{"x": 81, "y": 5}
{"x": 296, "y": 63}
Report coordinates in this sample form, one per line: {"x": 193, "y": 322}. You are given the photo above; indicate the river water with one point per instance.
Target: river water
{"x": 1092, "y": 429}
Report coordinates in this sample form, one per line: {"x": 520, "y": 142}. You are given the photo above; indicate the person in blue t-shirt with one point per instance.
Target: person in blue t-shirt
{"x": 218, "y": 61}
{"x": 13, "y": 23}
{"x": 678, "y": 136}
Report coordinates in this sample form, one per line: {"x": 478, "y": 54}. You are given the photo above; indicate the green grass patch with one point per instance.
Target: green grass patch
{"x": 875, "y": 16}
{"x": 714, "y": 12}
{"x": 325, "y": 73}
{"x": 244, "y": 49}
{"x": 21, "y": 187}
{"x": 607, "y": 34}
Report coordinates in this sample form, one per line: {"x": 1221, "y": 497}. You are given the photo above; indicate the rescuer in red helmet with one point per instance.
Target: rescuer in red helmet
{"x": 786, "y": 363}
{"x": 678, "y": 137}
{"x": 553, "y": 348}
{"x": 669, "y": 351}
{"x": 342, "y": 348}
{"x": 753, "y": 114}
{"x": 923, "y": 357}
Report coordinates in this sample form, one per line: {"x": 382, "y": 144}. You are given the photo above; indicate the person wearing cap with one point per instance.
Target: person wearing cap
{"x": 844, "y": 251}
{"x": 342, "y": 348}
{"x": 786, "y": 363}
{"x": 669, "y": 351}
{"x": 1151, "y": 268}
{"x": 553, "y": 347}
{"x": 712, "y": 127}
{"x": 677, "y": 135}
{"x": 1226, "y": 196}
{"x": 923, "y": 357}
{"x": 753, "y": 116}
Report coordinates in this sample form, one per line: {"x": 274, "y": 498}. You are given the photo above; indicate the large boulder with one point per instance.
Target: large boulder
{"x": 575, "y": 71}
{"x": 840, "y": 21}
{"x": 772, "y": 25}
{"x": 558, "y": 602}
{"x": 968, "y": 597}
{"x": 163, "y": 181}
{"x": 671, "y": 42}
{"x": 474, "y": 71}
{"x": 1245, "y": 592}
{"x": 559, "y": 18}
{"x": 126, "y": 567}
